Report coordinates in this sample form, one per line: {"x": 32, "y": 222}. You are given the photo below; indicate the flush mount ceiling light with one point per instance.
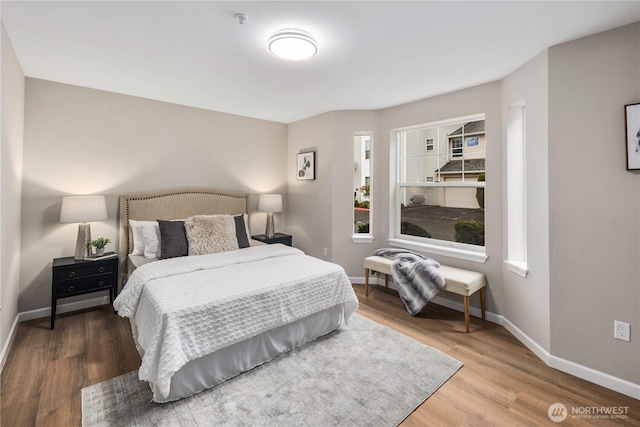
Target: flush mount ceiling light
{"x": 293, "y": 45}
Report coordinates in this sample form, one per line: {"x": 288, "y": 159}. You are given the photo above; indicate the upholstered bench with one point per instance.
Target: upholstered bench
{"x": 457, "y": 280}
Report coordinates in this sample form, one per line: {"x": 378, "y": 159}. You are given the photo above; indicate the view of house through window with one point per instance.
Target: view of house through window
{"x": 362, "y": 183}
{"x": 440, "y": 182}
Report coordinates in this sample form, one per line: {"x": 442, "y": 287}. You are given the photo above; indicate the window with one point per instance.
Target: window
{"x": 472, "y": 141}
{"x": 362, "y": 184}
{"x": 429, "y": 145}
{"x": 516, "y": 191}
{"x": 456, "y": 147}
{"x": 438, "y": 196}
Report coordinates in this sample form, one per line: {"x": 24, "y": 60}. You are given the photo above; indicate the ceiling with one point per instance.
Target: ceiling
{"x": 372, "y": 55}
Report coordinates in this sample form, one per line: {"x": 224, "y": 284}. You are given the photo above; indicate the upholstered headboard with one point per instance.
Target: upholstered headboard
{"x": 174, "y": 204}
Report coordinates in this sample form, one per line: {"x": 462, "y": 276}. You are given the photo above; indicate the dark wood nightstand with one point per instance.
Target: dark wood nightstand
{"x": 76, "y": 277}
{"x": 285, "y": 239}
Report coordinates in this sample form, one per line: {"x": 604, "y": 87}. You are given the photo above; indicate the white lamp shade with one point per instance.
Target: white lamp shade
{"x": 270, "y": 203}
{"x": 83, "y": 209}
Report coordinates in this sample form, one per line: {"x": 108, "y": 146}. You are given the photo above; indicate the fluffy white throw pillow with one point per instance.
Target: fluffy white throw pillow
{"x": 210, "y": 234}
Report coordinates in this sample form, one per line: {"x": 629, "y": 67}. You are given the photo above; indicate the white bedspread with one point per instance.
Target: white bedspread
{"x": 185, "y": 308}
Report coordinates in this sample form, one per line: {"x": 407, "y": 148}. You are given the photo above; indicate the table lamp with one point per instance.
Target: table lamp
{"x": 270, "y": 203}
{"x": 83, "y": 209}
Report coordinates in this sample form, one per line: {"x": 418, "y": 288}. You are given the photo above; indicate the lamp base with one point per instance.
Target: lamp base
{"x": 83, "y": 244}
{"x": 269, "y": 231}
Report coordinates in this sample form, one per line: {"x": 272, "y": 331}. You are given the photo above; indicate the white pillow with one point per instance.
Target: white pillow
{"x": 246, "y": 225}
{"x": 136, "y": 233}
{"x": 146, "y": 238}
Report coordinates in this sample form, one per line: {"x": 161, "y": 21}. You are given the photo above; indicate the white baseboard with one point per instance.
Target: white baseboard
{"x": 537, "y": 349}
{"x": 8, "y": 342}
{"x": 605, "y": 380}
{"x": 63, "y": 308}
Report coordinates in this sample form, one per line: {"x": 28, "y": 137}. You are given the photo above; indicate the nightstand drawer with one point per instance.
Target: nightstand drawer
{"x": 78, "y": 272}
{"x": 81, "y": 286}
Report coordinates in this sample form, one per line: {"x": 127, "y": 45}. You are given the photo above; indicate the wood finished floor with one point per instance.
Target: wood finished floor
{"x": 501, "y": 384}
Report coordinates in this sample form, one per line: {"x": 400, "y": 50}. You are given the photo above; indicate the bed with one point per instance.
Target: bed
{"x": 201, "y": 318}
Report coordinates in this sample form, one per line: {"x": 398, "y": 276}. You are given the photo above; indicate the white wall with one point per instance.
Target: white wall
{"x": 594, "y": 203}
{"x": 12, "y": 94}
{"x": 309, "y": 207}
{"x": 526, "y": 301}
{"x": 85, "y": 141}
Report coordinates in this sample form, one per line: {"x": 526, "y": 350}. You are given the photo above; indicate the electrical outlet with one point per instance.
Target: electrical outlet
{"x": 324, "y": 251}
{"x": 621, "y": 330}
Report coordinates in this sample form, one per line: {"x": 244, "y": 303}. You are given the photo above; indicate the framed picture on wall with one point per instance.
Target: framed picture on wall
{"x": 632, "y": 115}
{"x": 306, "y": 165}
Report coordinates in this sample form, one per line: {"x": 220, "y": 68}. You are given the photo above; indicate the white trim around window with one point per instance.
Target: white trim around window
{"x": 516, "y": 261}
{"x": 362, "y": 238}
{"x": 467, "y": 255}
{"x": 367, "y": 155}
{"x": 458, "y": 250}
{"x": 518, "y": 267}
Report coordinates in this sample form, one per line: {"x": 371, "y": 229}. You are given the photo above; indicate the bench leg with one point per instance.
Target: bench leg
{"x": 366, "y": 282}
{"x": 466, "y": 312}
{"x": 482, "y": 303}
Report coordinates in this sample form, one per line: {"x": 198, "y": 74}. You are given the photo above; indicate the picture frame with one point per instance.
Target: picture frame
{"x": 306, "y": 166}
{"x": 632, "y": 123}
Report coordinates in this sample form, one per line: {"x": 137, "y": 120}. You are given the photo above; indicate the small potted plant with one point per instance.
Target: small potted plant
{"x": 99, "y": 244}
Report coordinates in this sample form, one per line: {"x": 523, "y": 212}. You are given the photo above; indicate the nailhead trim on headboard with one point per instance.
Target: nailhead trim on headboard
{"x": 125, "y": 205}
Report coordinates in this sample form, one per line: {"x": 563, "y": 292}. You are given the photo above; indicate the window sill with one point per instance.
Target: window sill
{"x": 362, "y": 238}
{"x": 518, "y": 267}
{"x": 479, "y": 257}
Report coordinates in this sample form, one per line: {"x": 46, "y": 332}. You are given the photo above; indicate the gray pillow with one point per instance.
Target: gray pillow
{"x": 241, "y": 232}
{"x": 173, "y": 239}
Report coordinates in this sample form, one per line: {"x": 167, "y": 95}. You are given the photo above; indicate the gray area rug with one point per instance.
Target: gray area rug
{"x": 363, "y": 374}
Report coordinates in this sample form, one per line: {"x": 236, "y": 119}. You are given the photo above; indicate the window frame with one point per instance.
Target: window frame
{"x": 428, "y": 145}
{"x": 458, "y": 250}
{"x": 516, "y": 259}
{"x": 369, "y": 150}
{"x": 456, "y": 151}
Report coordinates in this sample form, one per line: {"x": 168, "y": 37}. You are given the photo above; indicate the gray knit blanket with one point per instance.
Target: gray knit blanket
{"x": 419, "y": 278}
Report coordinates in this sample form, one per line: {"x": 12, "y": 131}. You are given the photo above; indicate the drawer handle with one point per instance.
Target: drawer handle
{"x": 101, "y": 270}
{"x": 101, "y": 283}
{"x": 72, "y": 274}
{"x": 72, "y": 288}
